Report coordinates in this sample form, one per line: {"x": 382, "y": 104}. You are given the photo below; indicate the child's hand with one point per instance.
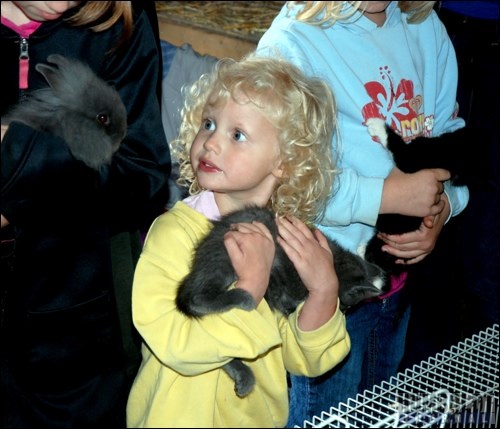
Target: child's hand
{"x": 312, "y": 257}
{"x": 310, "y": 253}
{"x": 251, "y": 249}
{"x": 414, "y": 246}
{"x": 417, "y": 194}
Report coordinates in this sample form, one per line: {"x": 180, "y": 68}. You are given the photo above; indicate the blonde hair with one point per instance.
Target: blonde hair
{"x": 329, "y": 12}
{"x": 301, "y": 109}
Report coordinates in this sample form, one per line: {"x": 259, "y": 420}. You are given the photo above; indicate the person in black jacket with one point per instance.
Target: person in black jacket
{"x": 62, "y": 358}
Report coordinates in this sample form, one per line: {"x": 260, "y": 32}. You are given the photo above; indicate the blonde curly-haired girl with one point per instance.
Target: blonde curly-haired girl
{"x": 254, "y": 132}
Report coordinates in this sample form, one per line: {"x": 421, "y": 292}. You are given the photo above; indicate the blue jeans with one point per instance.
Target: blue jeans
{"x": 377, "y": 330}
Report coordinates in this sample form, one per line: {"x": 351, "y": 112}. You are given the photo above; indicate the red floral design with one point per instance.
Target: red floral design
{"x": 393, "y": 104}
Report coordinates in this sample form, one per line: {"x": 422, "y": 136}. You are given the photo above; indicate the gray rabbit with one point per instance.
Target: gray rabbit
{"x": 77, "y": 106}
{"x": 206, "y": 290}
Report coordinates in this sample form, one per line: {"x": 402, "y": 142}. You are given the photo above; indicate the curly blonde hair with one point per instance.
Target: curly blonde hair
{"x": 301, "y": 109}
{"x": 329, "y": 12}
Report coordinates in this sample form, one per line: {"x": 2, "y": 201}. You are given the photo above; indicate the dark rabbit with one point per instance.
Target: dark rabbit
{"x": 79, "y": 107}
{"x": 450, "y": 151}
{"x": 205, "y": 288}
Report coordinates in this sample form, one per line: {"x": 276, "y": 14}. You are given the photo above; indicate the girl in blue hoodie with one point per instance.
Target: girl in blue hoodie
{"x": 391, "y": 60}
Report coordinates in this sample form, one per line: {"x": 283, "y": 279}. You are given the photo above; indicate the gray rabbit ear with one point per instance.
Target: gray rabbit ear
{"x": 50, "y": 73}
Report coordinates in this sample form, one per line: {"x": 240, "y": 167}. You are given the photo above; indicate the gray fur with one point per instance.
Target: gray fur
{"x": 205, "y": 288}
{"x": 78, "y": 107}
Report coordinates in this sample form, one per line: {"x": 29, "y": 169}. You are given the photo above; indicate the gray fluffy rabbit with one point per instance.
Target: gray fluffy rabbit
{"x": 79, "y": 107}
{"x": 206, "y": 290}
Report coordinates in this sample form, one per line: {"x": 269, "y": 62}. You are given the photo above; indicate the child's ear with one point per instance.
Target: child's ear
{"x": 278, "y": 172}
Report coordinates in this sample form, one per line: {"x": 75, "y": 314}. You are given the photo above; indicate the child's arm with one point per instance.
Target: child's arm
{"x": 312, "y": 257}
{"x": 315, "y": 338}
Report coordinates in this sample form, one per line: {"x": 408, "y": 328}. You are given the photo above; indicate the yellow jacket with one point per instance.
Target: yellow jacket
{"x": 180, "y": 382}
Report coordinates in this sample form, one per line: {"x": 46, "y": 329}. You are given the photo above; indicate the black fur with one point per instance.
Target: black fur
{"x": 451, "y": 151}
{"x": 79, "y": 107}
{"x": 205, "y": 288}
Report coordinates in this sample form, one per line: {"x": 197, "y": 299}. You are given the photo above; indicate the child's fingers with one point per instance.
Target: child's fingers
{"x": 254, "y": 227}
{"x": 291, "y": 228}
{"x": 321, "y": 238}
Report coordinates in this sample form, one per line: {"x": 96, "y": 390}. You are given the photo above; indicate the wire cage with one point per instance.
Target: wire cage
{"x": 456, "y": 388}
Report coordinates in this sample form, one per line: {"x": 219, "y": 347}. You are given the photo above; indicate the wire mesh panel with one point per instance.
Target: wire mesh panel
{"x": 456, "y": 388}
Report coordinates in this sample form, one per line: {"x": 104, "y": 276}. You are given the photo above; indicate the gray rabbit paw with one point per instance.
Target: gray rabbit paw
{"x": 244, "y": 379}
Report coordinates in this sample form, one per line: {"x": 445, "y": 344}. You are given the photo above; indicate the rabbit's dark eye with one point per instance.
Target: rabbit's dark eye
{"x": 102, "y": 118}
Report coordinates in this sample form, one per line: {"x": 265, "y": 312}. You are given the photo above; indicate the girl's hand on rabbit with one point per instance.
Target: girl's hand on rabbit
{"x": 313, "y": 259}
{"x": 414, "y": 246}
{"x": 310, "y": 253}
{"x": 416, "y": 194}
{"x": 251, "y": 249}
